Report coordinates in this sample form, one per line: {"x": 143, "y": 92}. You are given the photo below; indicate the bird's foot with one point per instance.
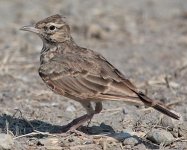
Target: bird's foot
{"x": 76, "y": 123}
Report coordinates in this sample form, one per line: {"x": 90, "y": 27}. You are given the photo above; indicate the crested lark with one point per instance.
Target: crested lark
{"x": 82, "y": 74}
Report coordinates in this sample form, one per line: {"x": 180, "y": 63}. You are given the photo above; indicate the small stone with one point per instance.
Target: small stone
{"x": 6, "y": 141}
{"x": 49, "y": 142}
{"x": 96, "y": 31}
{"x": 175, "y": 132}
{"x": 183, "y": 40}
{"x": 183, "y": 130}
{"x": 171, "y": 125}
{"x": 71, "y": 108}
{"x": 140, "y": 146}
{"x": 128, "y": 147}
{"x": 159, "y": 136}
{"x": 167, "y": 122}
{"x": 70, "y": 140}
{"x": 128, "y": 130}
{"x": 131, "y": 141}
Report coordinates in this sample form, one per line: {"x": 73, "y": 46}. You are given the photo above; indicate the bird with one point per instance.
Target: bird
{"x": 82, "y": 74}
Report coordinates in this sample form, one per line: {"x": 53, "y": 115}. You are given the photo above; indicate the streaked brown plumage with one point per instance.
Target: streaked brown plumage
{"x": 82, "y": 74}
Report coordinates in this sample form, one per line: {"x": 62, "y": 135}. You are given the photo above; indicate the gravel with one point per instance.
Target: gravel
{"x": 6, "y": 142}
{"x": 159, "y": 136}
{"x": 145, "y": 39}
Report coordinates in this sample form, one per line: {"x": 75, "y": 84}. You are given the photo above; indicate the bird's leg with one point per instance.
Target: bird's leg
{"x": 98, "y": 108}
{"x": 76, "y": 123}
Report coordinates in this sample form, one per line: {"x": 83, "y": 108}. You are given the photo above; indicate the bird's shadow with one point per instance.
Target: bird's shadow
{"x": 20, "y": 126}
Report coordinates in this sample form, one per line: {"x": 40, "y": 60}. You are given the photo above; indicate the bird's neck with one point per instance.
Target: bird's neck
{"x": 51, "y": 50}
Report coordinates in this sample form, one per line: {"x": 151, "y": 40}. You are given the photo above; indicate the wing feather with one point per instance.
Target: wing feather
{"x": 93, "y": 78}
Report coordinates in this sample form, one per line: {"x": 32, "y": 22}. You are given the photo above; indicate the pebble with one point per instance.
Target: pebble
{"x": 159, "y": 136}
{"x": 128, "y": 147}
{"x": 6, "y": 141}
{"x": 183, "y": 130}
{"x": 167, "y": 122}
{"x": 49, "y": 141}
{"x": 96, "y": 31}
{"x": 131, "y": 141}
{"x": 71, "y": 108}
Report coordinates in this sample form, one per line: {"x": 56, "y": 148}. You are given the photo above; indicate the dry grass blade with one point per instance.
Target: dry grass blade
{"x": 82, "y": 146}
{"x": 34, "y": 133}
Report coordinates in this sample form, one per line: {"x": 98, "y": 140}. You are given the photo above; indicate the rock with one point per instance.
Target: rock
{"x": 140, "y": 146}
{"x": 128, "y": 147}
{"x": 183, "y": 130}
{"x": 96, "y": 31}
{"x": 128, "y": 130}
{"x": 175, "y": 133}
{"x": 49, "y": 142}
{"x": 167, "y": 122}
{"x": 131, "y": 141}
{"x": 159, "y": 136}
{"x": 71, "y": 108}
{"x": 6, "y": 141}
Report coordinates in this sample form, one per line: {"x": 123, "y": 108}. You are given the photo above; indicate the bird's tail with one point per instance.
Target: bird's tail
{"x": 157, "y": 105}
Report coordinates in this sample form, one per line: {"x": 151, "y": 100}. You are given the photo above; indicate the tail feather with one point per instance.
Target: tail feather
{"x": 157, "y": 105}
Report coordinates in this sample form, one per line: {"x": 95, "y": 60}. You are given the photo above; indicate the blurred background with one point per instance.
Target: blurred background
{"x": 145, "y": 39}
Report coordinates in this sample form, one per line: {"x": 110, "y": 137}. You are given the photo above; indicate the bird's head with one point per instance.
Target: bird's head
{"x": 52, "y": 29}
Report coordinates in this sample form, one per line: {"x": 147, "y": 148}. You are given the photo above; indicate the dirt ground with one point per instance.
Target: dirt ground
{"x": 145, "y": 39}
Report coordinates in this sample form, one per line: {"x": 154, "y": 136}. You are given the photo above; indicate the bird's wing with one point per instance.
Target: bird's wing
{"x": 125, "y": 83}
{"x": 91, "y": 78}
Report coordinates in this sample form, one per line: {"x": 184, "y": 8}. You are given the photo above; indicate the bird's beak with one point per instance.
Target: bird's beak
{"x": 30, "y": 28}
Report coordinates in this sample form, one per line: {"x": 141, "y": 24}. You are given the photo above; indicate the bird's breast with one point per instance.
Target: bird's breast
{"x": 46, "y": 56}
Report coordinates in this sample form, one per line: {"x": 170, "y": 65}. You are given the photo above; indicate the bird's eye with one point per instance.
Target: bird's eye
{"x": 52, "y": 27}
